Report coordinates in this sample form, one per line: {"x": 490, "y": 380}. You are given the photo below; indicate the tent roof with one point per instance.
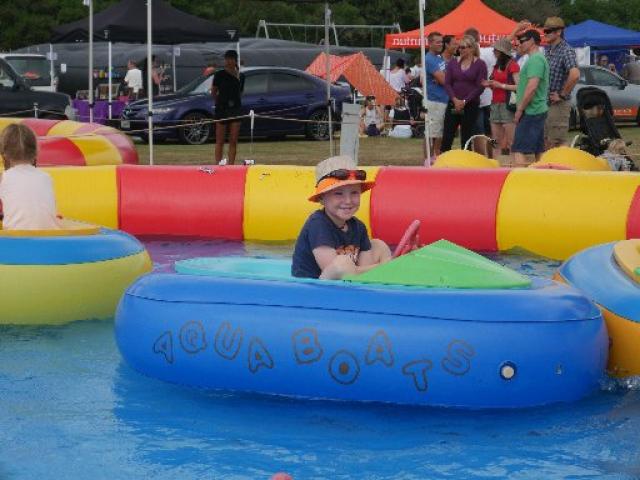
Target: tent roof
{"x": 470, "y": 13}
{"x": 591, "y": 33}
{"x": 127, "y": 22}
{"x": 359, "y": 72}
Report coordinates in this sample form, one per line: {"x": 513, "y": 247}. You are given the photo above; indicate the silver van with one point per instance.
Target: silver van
{"x": 35, "y": 69}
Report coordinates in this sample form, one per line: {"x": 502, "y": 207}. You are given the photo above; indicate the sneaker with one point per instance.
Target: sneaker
{"x": 223, "y": 162}
{"x": 248, "y": 162}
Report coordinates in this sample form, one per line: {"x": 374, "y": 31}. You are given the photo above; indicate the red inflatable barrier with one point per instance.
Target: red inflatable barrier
{"x": 40, "y": 126}
{"x": 457, "y": 205}
{"x": 633, "y": 218}
{"x": 187, "y": 201}
{"x": 125, "y": 146}
{"x": 55, "y": 151}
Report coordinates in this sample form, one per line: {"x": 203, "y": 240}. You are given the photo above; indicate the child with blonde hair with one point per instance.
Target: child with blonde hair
{"x": 26, "y": 193}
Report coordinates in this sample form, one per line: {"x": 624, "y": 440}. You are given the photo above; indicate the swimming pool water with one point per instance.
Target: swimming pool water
{"x": 71, "y": 409}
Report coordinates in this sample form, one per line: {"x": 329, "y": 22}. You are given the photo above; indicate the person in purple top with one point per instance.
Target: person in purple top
{"x": 463, "y": 83}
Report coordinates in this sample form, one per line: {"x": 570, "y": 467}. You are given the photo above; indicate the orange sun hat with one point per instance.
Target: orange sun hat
{"x": 335, "y": 172}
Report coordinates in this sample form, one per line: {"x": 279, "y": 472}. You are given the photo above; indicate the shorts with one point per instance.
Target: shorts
{"x": 435, "y": 116}
{"x": 372, "y": 130}
{"x": 225, "y": 113}
{"x": 483, "y": 123}
{"x": 529, "y": 136}
{"x": 556, "y": 127}
{"x": 501, "y": 114}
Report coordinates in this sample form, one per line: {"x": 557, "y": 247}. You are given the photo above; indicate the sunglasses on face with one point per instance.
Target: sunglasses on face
{"x": 344, "y": 174}
{"x": 524, "y": 39}
{"x": 550, "y": 30}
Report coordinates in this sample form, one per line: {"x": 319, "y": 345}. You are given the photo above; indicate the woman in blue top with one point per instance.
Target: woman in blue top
{"x": 332, "y": 242}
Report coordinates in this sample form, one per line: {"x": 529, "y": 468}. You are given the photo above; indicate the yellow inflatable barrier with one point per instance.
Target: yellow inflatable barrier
{"x": 275, "y": 205}
{"x": 89, "y": 193}
{"x": 556, "y": 212}
{"x": 464, "y": 159}
{"x": 572, "y": 158}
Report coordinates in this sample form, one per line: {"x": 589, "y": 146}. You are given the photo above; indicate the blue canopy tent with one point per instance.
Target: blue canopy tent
{"x": 591, "y": 33}
{"x": 604, "y": 40}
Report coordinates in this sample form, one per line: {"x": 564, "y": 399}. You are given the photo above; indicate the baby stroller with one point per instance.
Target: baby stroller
{"x": 413, "y": 99}
{"x": 596, "y": 121}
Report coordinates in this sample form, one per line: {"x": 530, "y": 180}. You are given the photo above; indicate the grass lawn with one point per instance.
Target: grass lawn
{"x": 294, "y": 151}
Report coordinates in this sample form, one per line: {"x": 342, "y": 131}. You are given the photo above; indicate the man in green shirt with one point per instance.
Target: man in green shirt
{"x": 531, "y": 96}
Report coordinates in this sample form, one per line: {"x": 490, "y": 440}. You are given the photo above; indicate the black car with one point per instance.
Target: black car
{"x": 17, "y": 99}
{"x": 277, "y": 92}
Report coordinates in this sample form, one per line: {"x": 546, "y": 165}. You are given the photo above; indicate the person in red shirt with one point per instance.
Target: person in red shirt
{"x": 503, "y": 81}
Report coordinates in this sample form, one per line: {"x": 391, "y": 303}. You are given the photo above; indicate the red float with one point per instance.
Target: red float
{"x": 457, "y": 205}
{"x": 182, "y": 201}
{"x": 55, "y": 151}
{"x": 123, "y": 143}
{"x": 633, "y": 218}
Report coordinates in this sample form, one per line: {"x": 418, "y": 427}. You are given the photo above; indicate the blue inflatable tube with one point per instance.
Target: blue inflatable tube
{"x": 419, "y": 346}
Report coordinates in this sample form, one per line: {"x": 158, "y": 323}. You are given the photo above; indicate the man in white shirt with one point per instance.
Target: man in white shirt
{"x": 398, "y": 78}
{"x": 133, "y": 79}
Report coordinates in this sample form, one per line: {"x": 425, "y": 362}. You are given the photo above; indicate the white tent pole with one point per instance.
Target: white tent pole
{"x": 110, "y": 67}
{"x": 90, "y": 2}
{"x": 427, "y": 147}
{"x": 52, "y": 70}
{"x": 327, "y": 19}
{"x": 173, "y": 59}
{"x": 150, "y": 79}
{"x": 238, "y": 52}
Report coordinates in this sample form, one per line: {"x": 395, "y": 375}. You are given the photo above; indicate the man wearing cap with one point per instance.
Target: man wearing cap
{"x": 333, "y": 242}
{"x": 563, "y": 76}
{"x": 531, "y": 99}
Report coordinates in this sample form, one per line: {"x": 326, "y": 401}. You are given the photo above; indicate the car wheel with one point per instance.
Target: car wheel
{"x": 320, "y": 130}
{"x": 196, "y": 129}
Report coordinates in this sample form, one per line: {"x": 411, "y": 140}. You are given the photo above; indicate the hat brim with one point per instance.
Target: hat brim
{"x": 366, "y": 185}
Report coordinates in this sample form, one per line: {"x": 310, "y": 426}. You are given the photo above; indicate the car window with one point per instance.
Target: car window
{"x": 604, "y": 78}
{"x": 255, "y": 84}
{"x": 5, "y": 79}
{"x": 285, "y": 82}
{"x": 203, "y": 87}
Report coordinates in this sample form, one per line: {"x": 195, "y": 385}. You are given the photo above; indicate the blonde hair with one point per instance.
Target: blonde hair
{"x": 18, "y": 144}
{"x": 469, "y": 40}
{"x": 618, "y": 146}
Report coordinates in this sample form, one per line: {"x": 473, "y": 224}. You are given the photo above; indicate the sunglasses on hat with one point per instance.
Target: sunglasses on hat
{"x": 345, "y": 174}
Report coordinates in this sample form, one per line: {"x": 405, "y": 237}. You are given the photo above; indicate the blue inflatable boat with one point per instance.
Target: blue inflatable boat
{"x": 245, "y": 324}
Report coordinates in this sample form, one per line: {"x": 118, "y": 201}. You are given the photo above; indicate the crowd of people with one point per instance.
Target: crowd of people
{"x": 516, "y": 95}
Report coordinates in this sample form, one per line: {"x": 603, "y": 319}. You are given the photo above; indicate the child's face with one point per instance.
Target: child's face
{"x": 342, "y": 203}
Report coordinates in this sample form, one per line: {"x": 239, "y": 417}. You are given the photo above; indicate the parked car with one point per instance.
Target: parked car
{"x": 35, "y": 68}
{"x": 624, "y": 96}
{"x": 18, "y": 99}
{"x": 285, "y": 93}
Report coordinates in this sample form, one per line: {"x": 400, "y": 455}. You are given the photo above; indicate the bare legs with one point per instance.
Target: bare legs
{"x": 221, "y": 132}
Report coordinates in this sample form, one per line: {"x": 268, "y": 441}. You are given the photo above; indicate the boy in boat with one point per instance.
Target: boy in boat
{"x": 333, "y": 242}
{"x": 26, "y": 192}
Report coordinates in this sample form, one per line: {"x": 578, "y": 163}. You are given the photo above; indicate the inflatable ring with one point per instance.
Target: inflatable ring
{"x": 408, "y": 240}
{"x": 76, "y": 273}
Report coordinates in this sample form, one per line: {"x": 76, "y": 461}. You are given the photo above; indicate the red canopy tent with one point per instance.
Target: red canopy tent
{"x": 359, "y": 72}
{"x": 470, "y": 13}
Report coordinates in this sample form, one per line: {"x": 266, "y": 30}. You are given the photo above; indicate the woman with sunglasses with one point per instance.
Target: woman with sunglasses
{"x": 333, "y": 242}
{"x": 463, "y": 82}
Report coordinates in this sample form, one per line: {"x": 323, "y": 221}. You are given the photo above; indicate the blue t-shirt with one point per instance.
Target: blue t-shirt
{"x": 435, "y": 91}
{"x": 320, "y": 231}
